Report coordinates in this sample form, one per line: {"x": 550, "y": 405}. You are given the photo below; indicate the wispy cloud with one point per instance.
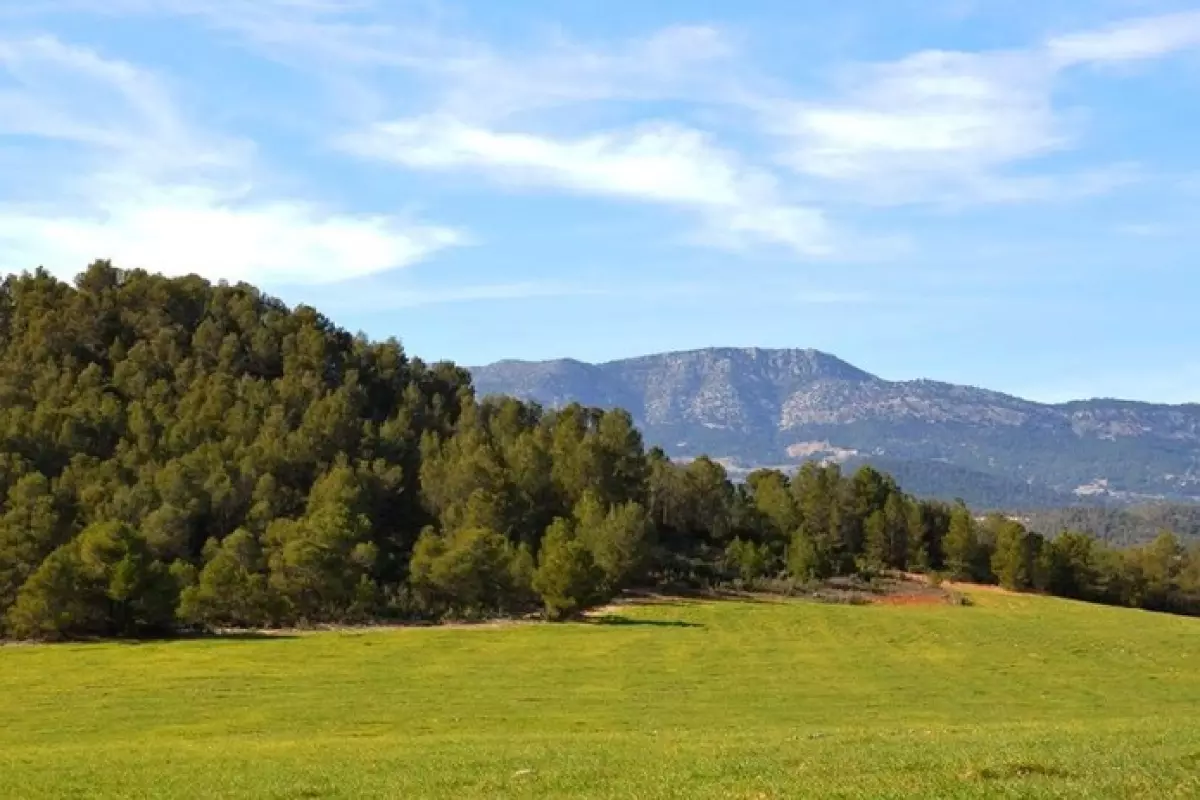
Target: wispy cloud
{"x": 938, "y": 126}
{"x": 930, "y": 122}
{"x": 469, "y": 76}
{"x": 72, "y": 94}
{"x": 1129, "y": 40}
{"x": 656, "y": 163}
{"x": 677, "y": 62}
{"x": 195, "y": 229}
{"x": 149, "y": 190}
{"x": 378, "y": 296}
{"x": 951, "y": 126}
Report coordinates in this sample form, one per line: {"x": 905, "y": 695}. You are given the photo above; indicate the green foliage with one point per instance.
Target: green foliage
{"x": 1121, "y": 527}
{"x": 317, "y": 563}
{"x": 807, "y": 560}
{"x": 231, "y": 590}
{"x": 285, "y": 470}
{"x": 469, "y": 572}
{"x": 30, "y": 529}
{"x": 1072, "y": 566}
{"x": 102, "y": 583}
{"x": 877, "y": 547}
{"x": 748, "y": 560}
{"x": 772, "y": 497}
{"x": 961, "y": 545}
{"x": 618, "y": 539}
{"x": 1012, "y": 560}
{"x": 567, "y": 578}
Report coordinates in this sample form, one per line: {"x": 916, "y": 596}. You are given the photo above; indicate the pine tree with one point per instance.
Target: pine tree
{"x": 895, "y": 518}
{"x": 918, "y": 556}
{"x": 468, "y": 572}
{"x": 617, "y": 540}
{"x": 103, "y": 582}
{"x": 567, "y": 578}
{"x": 231, "y": 590}
{"x": 961, "y": 545}
{"x": 877, "y": 547}
{"x": 1010, "y": 561}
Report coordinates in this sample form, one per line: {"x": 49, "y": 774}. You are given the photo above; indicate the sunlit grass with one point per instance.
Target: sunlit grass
{"x": 1013, "y": 696}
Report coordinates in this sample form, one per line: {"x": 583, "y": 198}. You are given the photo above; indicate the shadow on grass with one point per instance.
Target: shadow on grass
{"x": 129, "y": 641}
{"x": 215, "y": 636}
{"x": 617, "y": 619}
{"x": 674, "y": 595}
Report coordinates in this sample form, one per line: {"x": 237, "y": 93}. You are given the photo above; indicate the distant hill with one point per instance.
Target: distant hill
{"x": 1119, "y": 527}
{"x": 756, "y": 407}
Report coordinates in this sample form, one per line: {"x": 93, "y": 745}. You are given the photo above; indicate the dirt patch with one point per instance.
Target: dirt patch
{"x": 645, "y": 599}
{"x": 960, "y": 586}
{"x": 888, "y": 590}
{"x": 912, "y": 600}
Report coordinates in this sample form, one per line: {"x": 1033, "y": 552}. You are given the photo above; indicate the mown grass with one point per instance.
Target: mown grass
{"x": 1011, "y": 697}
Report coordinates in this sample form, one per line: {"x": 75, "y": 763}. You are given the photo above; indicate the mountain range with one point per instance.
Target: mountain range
{"x": 750, "y": 408}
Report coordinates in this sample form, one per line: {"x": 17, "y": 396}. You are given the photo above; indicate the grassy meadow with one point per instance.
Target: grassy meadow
{"x": 1011, "y": 697}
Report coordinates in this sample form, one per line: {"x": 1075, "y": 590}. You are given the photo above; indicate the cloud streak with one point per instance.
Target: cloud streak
{"x": 195, "y": 230}
{"x": 949, "y": 126}
{"x": 941, "y": 127}
{"x": 655, "y": 163}
{"x": 74, "y": 95}
{"x": 930, "y": 122}
{"x": 148, "y": 190}
{"x": 375, "y": 296}
{"x": 1130, "y": 40}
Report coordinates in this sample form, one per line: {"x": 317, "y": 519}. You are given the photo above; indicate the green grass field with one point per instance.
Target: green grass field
{"x": 1014, "y": 696}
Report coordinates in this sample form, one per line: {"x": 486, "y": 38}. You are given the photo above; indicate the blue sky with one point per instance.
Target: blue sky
{"x": 981, "y": 191}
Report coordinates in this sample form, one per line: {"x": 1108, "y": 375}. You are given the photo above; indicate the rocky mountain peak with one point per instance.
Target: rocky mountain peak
{"x": 774, "y": 407}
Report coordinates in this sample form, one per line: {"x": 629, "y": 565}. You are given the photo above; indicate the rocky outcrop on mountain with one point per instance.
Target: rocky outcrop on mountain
{"x": 756, "y": 407}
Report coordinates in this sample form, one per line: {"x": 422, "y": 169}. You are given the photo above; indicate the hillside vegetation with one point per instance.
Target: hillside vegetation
{"x": 756, "y": 407}
{"x": 176, "y": 456}
{"x": 1015, "y": 696}
{"x": 1121, "y": 526}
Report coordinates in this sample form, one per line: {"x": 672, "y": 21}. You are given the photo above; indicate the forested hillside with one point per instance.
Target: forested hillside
{"x": 754, "y": 407}
{"x": 1121, "y": 526}
{"x": 176, "y": 455}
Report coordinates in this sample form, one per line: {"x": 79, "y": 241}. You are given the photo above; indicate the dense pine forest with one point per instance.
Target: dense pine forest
{"x": 177, "y": 456}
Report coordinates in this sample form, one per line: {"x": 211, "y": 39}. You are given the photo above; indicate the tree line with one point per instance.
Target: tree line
{"x": 1121, "y": 526}
{"x": 180, "y": 456}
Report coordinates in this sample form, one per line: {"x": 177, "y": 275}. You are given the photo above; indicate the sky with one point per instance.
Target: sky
{"x": 979, "y": 191}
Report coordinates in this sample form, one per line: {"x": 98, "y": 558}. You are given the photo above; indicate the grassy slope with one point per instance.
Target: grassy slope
{"x": 1016, "y": 696}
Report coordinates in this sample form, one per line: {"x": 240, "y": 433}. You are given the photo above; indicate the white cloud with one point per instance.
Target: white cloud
{"x": 658, "y": 163}
{"x": 675, "y": 62}
{"x": 469, "y": 76}
{"x": 186, "y": 230}
{"x": 935, "y": 126}
{"x": 1130, "y": 40}
{"x": 662, "y": 163}
{"x": 72, "y": 94}
{"x": 950, "y": 126}
{"x": 310, "y": 33}
{"x": 147, "y": 190}
{"x": 929, "y": 118}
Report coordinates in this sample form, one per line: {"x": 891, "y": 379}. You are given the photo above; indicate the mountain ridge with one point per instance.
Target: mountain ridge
{"x": 755, "y": 407}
